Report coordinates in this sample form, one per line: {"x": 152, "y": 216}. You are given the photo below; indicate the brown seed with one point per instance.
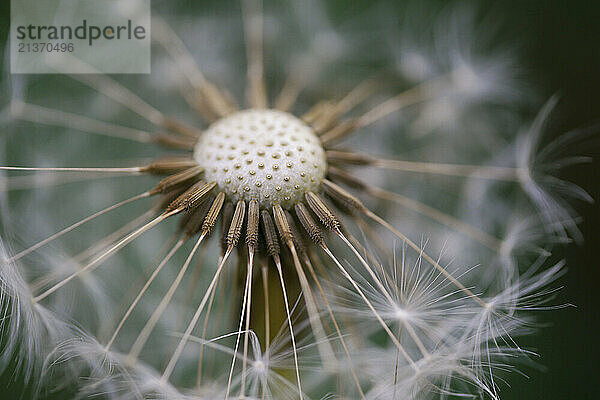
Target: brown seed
{"x": 213, "y": 214}
{"x": 169, "y": 165}
{"x": 217, "y": 100}
{"x": 348, "y": 157}
{"x": 327, "y": 119}
{"x": 192, "y": 197}
{"x": 190, "y": 175}
{"x": 192, "y": 222}
{"x": 341, "y": 175}
{"x": 174, "y": 141}
{"x": 270, "y": 234}
{"x": 168, "y": 198}
{"x": 299, "y": 237}
{"x": 181, "y": 128}
{"x": 225, "y": 224}
{"x": 339, "y": 131}
{"x": 252, "y": 225}
{"x": 317, "y": 111}
{"x": 237, "y": 222}
{"x": 309, "y": 224}
{"x": 341, "y": 196}
{"x": 282, "y": 225}
{"x": 320, "y": 208}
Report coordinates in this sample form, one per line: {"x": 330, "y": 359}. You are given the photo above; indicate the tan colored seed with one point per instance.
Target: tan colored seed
{"x": 320, "y": 208}
{"x": 181, "y": 128}
{"x": 348, "y": 157}
{"x": 341, "y": 196}
{"x": 192, "y": 197}
{"x": 169, "y": 165}
{"x": 270, "y": 234}
{"x": 213, "y": 213}
{"x": 282, "y": 225}
{"x": 174, "y": 141}
{"x": 225, "y": 224}
{"x": 237, "y": 221}
{"x": 194, "y": 223}
{"x": 345, "y": 177}
{"x": 184, "y": 177}
{"x": 252, "y": 224}
{"x": 309, "y": 224}
{"x": 339, "y": 131}
{"x": 298, "y": 236}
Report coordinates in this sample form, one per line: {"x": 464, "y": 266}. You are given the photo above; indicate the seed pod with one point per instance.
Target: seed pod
{"x": 309, "y": 224}
{"x": 327, "y": 119}
{"x": 237, "y": 222}
{"x": 192, "y": 197}
{"x": 282, "y": 225}
{"x": 181, "y": 128}
{"x": 345, "y": 177}
{"x": 317, "y": 111}
{"x": 216, "y": 100}
{"x": 341, "y": 196}
{"x": 225, "y": 224}
{"x": 168, "y": 198}
{"x": 347, "y": 157}
{"x": 195, "y": 221}
{"x": 339, "y": 131}
{"x": 174, "y": 141}
{"x": 198, "y": 101}
{"x": 213, "y": 214}
{"x": 270, "y": 234}
{"x": 300, "y": 240}
{"x": 252, "y": 224}
{"x": 182, "y": 178}
{"x": 326, "y": 216}
{"x": 170, "y": 165}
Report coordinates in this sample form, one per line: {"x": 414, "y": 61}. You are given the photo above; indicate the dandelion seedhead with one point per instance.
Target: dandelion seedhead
{"x": 332, "y": 275}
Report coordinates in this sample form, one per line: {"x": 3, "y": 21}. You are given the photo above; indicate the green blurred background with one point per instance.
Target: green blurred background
{"x": 559, "y": 48}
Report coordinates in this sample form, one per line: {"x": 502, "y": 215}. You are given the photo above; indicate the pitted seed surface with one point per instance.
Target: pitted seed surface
{"x": 266, "y": 155}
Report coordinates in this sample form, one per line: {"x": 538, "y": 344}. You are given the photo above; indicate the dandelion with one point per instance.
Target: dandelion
{"x": 308, "y": 225}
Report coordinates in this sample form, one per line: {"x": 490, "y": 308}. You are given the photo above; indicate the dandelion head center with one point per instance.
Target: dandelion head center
{"x": 401, "y": 314}
{"x": 264, "y": 155}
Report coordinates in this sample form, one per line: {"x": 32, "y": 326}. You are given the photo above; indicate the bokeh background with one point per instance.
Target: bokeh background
{"x": 559, "y": 52}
